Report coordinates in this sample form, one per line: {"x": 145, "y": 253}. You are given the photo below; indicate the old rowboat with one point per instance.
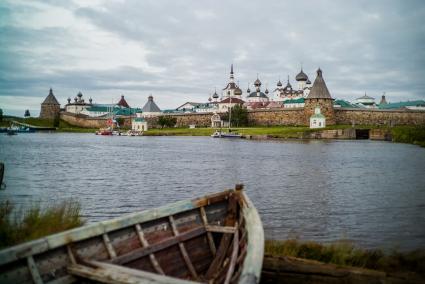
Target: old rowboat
{"x": 217, "y": 239}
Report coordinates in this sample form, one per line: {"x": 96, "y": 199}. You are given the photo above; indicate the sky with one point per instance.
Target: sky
{"x": 180, "y": 51}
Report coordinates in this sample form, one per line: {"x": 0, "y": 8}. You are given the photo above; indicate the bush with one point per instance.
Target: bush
{"x": 167, "y": 121}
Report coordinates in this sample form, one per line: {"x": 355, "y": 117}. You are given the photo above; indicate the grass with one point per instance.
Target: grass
{"x": 345, "y": 253}
{"x": 18, "y": 225}
{"x": 409, "y": 134}
{"x": 272, "y": 131}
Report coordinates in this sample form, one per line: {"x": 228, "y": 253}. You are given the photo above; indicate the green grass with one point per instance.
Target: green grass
{"x": 179, "y": 132}
{"x": 18, "y": 225}
{"x": 345, "y": 253}
{"x": 409, "y": 134}
{"x": 272, "y": 131}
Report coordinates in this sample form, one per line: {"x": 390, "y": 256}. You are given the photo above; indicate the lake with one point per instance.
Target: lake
{"x": 370, "y": 192}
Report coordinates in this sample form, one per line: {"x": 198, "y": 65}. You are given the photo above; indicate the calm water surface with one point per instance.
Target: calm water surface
{"x": 370, "y": 192}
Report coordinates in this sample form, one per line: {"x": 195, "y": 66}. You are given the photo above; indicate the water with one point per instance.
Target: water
{"x": 372, "y": 193}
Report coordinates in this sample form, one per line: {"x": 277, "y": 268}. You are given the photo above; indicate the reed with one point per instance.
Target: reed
{"x": 347, "y": 254}
{"x": 18, "y": 225}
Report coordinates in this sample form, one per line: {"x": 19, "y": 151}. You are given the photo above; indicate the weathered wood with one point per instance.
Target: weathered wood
{"x": 220, "y": 229}
{"x": 145, "y": 244}
{"x": 108, "y": 246}
{"x": 33, "y": 270}
{"x": 110, "y": 273}
{"x": 209, "y": 235}
{"x": 225, "y": 240}
{"x": 125, "y": 258}
{"x": 252, "y": 264}
{"x": 182, "y": 244}
{"x": 183, "y": 250}
{"x": 297, "y": 270}
{"x": 234, "y": 256}
{"x": 70, "y": 254}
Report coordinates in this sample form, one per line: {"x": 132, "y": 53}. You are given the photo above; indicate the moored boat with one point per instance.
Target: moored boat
{"x": 219, "y": 134}
{"x": 216, "y": 239}
{"x": 104, "y": 131}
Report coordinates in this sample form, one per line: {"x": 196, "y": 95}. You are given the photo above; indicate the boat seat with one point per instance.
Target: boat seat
{"x": 110, "y": 273}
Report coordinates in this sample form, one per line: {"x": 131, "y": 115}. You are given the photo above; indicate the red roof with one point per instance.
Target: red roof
{"x": 123, "y": 102}
{"x": 234, "y": 101}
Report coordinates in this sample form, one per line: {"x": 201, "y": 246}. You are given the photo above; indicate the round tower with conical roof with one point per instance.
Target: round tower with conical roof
{"x": 50, "y": 107}
{"x": 319, "y": 97}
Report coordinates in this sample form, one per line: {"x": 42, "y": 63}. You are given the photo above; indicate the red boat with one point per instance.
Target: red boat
{"x": 104, "y": 131}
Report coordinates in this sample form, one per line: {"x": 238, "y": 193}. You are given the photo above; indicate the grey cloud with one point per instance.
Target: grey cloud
{"x": 361, "y": 46}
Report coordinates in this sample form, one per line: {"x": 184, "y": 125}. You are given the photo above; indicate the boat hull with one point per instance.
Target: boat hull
{"x": 216, "y": 238}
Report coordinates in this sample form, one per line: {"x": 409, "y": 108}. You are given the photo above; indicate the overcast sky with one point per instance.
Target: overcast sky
{"x": 180, "y": 51}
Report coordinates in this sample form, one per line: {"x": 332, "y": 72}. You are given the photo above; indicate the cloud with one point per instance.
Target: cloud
{"x": 180, "y": 51}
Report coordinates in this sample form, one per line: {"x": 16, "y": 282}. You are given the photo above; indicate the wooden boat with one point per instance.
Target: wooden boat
{"x": 216, "y": 239}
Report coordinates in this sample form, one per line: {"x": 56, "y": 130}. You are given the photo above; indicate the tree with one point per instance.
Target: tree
{"x": 120, "y": 121}
{"x": 1, "y": 114}
{"x": 166, "y": 121}
{"x": 27, "y": 113}
{"x": 239, "y": 116}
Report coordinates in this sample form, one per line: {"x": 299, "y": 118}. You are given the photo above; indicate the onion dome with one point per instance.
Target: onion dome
{"x": 75, "y": 99}
{"x": 257, "y": 83}
{"x": 308, "y": 82}
{"x": 79, "y": 95}
{"x": 257, "y": 94}
{"x": 90, "y": 100}
{"x": 279, "y": 83}
{"x": 238, "y": 92}
{"x": 209, "y": 99}
{"x": 301, "y": 76}
{"x": 69, "y": 100}
{"x": 215, "y": 95}
{"x": 266, "y": 91}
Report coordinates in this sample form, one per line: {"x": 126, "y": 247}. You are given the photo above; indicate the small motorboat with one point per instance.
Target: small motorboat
{"x": 219, "y": 134}
{"x": 217, "y": 238}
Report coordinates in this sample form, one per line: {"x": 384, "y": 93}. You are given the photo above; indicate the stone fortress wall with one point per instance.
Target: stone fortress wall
{"x": 287, "y": 117}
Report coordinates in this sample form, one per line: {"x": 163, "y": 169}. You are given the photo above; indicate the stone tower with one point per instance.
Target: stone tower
{"x": 319, "y": 96}
{"x": 50, "y": 108}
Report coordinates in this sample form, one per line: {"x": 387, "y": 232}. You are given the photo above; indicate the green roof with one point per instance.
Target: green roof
{"x": 402, "y": 104}
{"x": 294, "y": 101}
{"x": 344, "y": 103}
{"x": 139, "y": 119}
{"x": 116, "y": 109}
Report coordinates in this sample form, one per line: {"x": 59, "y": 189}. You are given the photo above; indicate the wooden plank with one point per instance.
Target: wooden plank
{"x": 23, "y": 250}
{"x": 255, "y": 242}
{"x": 109, "y": 247}
{"x": 209, "y": 235}
{"x": 225, "y": 240}
{"x": 122, "y": 259}
{"x": 145, "y": 244}
{"x": 70, "y": 254}
{"x": 34, "y": 270}
{"x": 100, "y": 269}
{"x": 220, "y": 229}
{"x": 183, "y": 250}
{"x": 234, "y": 257}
